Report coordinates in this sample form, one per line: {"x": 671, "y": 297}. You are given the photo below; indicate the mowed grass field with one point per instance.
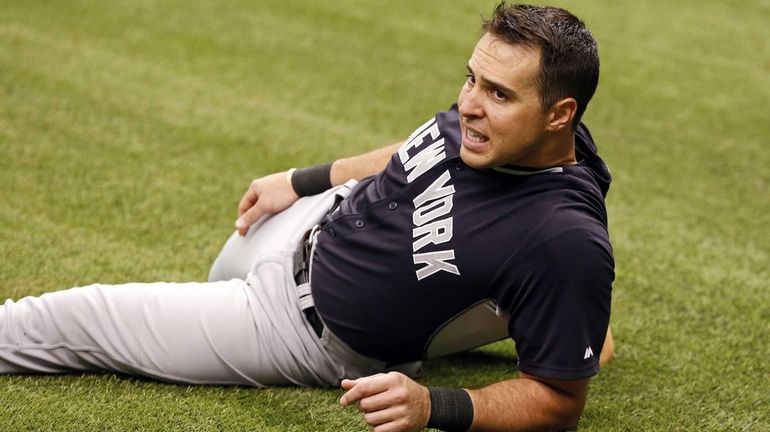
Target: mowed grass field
{"x": 130, "y": 129}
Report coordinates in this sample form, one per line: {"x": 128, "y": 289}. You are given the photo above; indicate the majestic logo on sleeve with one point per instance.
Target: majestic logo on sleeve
{"x": 432, "y": 208}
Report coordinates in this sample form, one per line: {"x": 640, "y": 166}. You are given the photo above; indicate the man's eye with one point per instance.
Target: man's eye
{"x": 471, "y": 79}
{"x": 499, "y": 95}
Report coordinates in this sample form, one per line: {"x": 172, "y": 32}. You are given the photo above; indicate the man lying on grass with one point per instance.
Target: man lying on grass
{"x": 487, "y": 222}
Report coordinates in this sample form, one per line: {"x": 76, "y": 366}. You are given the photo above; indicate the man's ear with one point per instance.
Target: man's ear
{"x": 560, "y": 115}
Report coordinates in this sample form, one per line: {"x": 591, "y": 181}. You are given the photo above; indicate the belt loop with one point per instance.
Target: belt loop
{"x": 303, "y": 290}
{"x": 305, "y": 302}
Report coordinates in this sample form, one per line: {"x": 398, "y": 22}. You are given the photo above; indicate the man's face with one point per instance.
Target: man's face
{"x": 500, "y": 115}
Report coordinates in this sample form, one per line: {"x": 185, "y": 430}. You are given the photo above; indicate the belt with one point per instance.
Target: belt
{"x": 302, "y": 276}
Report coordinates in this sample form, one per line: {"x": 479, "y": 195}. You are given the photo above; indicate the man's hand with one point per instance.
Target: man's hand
{"x": 267, "y": 195}
{"x": 390, "y": 402}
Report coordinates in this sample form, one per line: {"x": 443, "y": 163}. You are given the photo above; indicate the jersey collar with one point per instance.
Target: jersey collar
{"x": 523, "y": 171}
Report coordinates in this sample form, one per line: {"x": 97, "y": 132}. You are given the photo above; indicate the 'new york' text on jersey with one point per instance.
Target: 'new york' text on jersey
{"x": 432, "y": 216}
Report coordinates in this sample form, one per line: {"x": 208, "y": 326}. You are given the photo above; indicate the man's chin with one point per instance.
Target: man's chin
{"x": 473, "y": 159}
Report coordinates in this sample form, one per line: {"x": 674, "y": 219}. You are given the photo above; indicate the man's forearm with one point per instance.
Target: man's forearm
{"x": 361, "y": 166}
{"x": 528, "y": 404}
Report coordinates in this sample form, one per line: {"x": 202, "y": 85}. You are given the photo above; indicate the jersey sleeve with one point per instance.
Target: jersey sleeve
{"x": 560, "y": 304}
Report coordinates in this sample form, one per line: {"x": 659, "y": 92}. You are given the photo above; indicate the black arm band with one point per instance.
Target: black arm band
{"x": 450, "y": 409}
{"x": 312, "y": 180}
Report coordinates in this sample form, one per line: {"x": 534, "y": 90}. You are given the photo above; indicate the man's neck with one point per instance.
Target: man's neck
{"x": 558, "y": 149}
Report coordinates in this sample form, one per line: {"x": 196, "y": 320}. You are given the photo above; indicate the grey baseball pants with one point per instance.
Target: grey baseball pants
{"x": 245, "y": 326}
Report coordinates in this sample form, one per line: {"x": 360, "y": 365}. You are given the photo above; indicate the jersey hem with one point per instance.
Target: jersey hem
{"x": 560, "y": 374}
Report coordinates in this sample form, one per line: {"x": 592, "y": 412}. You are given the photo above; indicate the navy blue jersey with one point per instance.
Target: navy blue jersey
{"x": 429, "y": 237}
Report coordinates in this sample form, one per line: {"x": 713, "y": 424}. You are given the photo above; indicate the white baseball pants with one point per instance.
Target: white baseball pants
{"x": 244, "y": 327}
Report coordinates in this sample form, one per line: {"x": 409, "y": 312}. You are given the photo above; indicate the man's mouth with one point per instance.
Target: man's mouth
{"x": 475, "y": 136}
{"x": 474, "y": 139}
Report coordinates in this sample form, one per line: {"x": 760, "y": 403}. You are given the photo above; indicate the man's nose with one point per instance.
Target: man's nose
{"x": 470, "y": 104}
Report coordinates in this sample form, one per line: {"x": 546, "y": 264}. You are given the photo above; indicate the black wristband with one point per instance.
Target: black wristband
{"x": 312, "y": 180}
{"x": 450, "y": 409}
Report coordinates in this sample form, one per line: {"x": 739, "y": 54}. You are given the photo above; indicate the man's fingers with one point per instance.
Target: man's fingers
{"x": 249, "y": 199}
{"x": 247, "y": 219}
{"x": 241, "y": 227}
{"x": 348, "y": 384}
{"x": 246, "y": 203}
{"x": 376, "y": 402}
{"x": 364, "y": 387}
{"x": 377, "y": 418}
{"x": 394, "y": 426}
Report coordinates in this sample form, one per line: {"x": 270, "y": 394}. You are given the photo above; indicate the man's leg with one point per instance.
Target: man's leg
{"x": 224, "y": 332}
{"x": 195, "y": 333}
{"x": 230, "y": 332}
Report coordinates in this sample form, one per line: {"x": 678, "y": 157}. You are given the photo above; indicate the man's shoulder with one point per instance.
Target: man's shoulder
{"x": 563, "y": 228}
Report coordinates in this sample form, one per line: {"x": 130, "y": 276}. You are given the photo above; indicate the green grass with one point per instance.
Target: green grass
{"x": 129, "y": 130}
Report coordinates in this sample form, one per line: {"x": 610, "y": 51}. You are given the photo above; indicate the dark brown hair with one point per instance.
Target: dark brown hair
{"x": 569, "y": 59}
